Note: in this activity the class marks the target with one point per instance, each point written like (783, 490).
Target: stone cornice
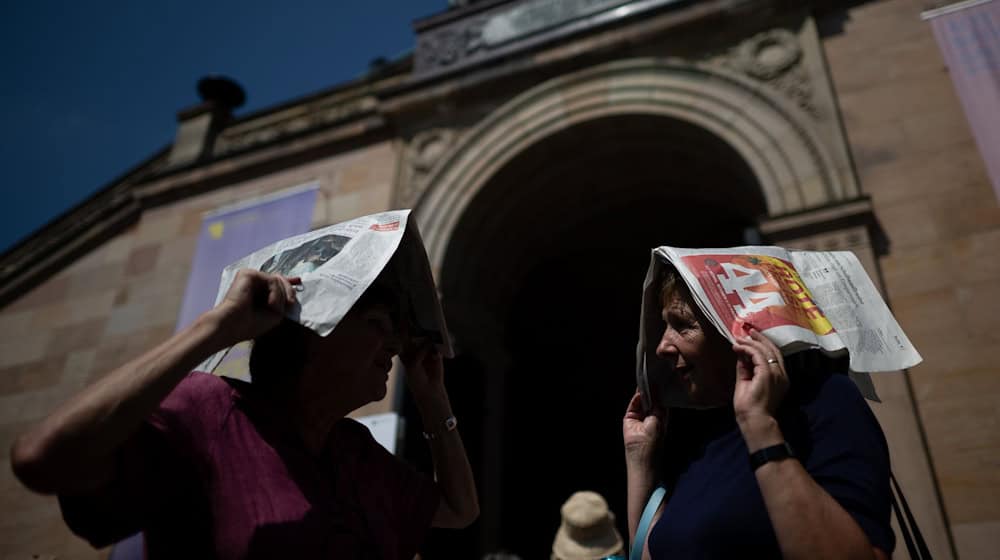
(296, 120)
(278, 154)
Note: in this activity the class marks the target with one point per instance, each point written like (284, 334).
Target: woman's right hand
(642, 432)
(254, 304)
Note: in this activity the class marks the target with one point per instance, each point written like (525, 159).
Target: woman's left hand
(425, 378)
(424, 371)
(761, 381)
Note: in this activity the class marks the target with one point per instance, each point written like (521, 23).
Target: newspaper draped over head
(798, 299)
(338, 263)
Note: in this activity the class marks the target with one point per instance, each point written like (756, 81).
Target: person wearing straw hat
(209, 467)
(781, 457)
(587, 530)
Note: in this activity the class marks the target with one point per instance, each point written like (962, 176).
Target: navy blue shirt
(714, 506)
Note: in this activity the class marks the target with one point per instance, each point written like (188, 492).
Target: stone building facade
(535, 138)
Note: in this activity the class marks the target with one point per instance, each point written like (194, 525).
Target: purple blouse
(217, 472)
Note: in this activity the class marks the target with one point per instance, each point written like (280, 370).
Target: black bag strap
(912, 536)
(907, 539)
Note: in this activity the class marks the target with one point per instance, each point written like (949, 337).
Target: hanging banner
(968, 34)
(231, 233)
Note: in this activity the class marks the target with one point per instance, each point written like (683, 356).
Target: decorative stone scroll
(775, 58)
(422, 153)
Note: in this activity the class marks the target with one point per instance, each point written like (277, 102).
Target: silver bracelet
(450, 423)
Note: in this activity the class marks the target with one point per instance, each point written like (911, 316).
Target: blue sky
(89, 89)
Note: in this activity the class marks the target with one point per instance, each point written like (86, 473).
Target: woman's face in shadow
(353, 362)
(694, 357)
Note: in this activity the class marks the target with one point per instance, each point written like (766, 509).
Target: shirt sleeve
(849, 457)
(398, 500)
(155, 466)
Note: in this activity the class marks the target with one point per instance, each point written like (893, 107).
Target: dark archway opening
(541, 283)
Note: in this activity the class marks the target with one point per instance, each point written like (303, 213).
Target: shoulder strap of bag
(912, 536)
(645, 520)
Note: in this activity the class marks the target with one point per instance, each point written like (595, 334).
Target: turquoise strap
(647, 518)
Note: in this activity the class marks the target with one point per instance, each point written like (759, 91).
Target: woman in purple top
(215, 468)
(820, 488)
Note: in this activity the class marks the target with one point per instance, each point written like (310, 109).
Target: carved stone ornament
(428, 146)
(508, 27)
(422, 154)
(447, 46)
(773, 57)
(767, 55)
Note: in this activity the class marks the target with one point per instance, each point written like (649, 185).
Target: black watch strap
(772, 453)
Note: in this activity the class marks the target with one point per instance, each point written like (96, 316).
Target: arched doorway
(541, 282)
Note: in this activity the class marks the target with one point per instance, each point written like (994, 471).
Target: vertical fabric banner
(968, 34)
(230, 234)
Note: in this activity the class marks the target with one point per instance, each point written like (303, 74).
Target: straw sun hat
(587, 531)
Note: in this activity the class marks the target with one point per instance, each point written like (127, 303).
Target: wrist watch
(772, 453)
(450, 423)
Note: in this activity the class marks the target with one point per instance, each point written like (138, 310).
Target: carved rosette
(775, 58)
(422, 153)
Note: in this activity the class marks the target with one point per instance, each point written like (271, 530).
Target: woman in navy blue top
(830, 499)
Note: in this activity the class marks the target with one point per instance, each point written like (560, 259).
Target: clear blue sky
(89, 89)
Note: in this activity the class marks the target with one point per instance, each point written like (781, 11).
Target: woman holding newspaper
(777, 457)
(212, 467)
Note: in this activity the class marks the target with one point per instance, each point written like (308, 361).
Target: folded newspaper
(338, 263)
(798, 299)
